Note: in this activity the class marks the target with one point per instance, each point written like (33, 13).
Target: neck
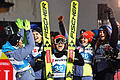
(40, 41)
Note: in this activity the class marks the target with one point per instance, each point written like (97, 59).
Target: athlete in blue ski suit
(36, 58)
(86, 50)
(18, 55)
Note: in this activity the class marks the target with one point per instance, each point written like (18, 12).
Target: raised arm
(21, 53)
(114, 36)
(20, 26)
(62, 27)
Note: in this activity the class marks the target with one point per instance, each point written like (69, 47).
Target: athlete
(19, 54)
(86, 50)
(59, 58)
(36, 60)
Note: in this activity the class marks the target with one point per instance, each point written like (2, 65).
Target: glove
(27, 25)
(60, 18)
(19, 23)
(43, 55)
(78, 60)
(110, 12)
(76, 51)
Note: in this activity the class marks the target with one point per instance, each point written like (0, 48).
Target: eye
(36, 33)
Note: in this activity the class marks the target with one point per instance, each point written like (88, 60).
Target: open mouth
(59, 46)
(36, 38)
(102, 36)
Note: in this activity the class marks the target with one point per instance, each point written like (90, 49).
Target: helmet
(14, 39)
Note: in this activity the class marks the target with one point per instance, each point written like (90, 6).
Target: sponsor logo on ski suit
(59, 66)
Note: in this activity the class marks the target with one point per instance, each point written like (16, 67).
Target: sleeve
(21, 33)
(63, 29)
(22, 53)
(114, 36)
(78, 60)
(77, 42)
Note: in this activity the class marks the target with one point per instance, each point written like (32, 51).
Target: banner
(6, 68)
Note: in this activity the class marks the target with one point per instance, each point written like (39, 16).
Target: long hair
(98, 40)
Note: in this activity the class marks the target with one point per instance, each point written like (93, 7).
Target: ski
(46, 39)
(72, 39)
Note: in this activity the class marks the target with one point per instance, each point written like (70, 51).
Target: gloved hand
(43, 55)
(27, 25)
(110, 12)
(78, 60)
(60, 18)
(19, 23)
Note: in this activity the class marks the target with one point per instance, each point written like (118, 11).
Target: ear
(53, 46)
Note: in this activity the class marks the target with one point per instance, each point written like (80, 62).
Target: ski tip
(45, 2)
(74, 1)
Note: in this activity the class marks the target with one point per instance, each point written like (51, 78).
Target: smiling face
(60, 43)
(102, 34)
(60, 46)
(37, 37)
(84, 41)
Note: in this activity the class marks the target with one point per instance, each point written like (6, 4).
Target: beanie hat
(88, 34)
(109, 28)
(95, 31)
(106, 28)
(14, 39)
(33, 26)
(103, 27)
(37, 29)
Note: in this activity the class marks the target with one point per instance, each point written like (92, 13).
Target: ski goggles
(60, 40)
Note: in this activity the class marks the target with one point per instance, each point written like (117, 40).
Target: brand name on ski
(48, 56)
(73, 20)
(70, 55)
(45, 20)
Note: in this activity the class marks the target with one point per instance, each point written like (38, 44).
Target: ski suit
(64, 32)
(85, 72)
(19, 57)
(59, 63)
(36, 60)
